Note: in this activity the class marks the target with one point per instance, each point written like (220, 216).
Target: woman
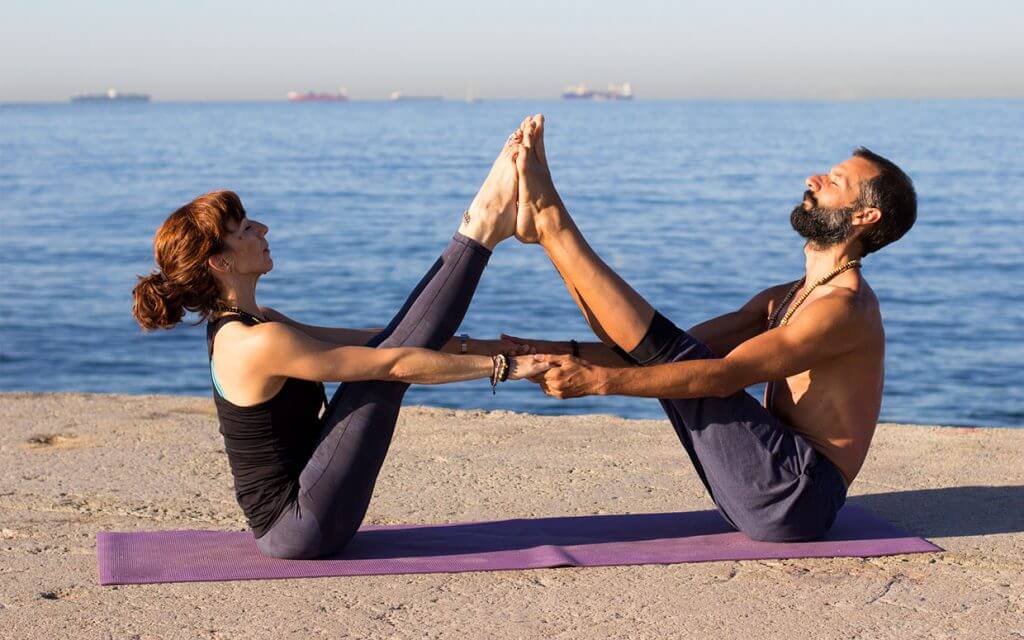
(304, 481)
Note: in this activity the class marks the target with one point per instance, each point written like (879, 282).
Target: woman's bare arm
(277, 349)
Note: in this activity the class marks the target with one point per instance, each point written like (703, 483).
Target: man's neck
(819, 262)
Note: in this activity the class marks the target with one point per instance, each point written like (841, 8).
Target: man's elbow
(724, 380)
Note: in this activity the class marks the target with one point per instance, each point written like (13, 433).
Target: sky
(256, 50)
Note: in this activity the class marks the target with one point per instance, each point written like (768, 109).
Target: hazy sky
(235, 49)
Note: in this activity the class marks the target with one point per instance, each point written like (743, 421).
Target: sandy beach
(74, 464)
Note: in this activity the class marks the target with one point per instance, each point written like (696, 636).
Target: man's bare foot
(491, 216)
(540, 207)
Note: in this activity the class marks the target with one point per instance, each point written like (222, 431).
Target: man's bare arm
(721, 334)
(728, 331)
(345, 337)
(341, 336)
(827, 328)
(596, 352)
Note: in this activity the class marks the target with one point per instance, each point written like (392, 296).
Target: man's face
(825, 215)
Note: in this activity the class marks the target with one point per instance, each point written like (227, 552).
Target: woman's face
(248, 251)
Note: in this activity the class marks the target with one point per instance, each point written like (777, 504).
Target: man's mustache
(809, 195)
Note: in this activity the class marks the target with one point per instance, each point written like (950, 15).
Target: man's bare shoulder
(766, 301)
(842, 310)
(858, 298)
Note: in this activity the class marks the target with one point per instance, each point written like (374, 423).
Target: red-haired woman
(304, 480)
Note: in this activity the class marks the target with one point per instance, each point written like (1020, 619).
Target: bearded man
(778, 471)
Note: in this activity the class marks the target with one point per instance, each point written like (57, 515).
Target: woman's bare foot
(491, 216)
(540, 208)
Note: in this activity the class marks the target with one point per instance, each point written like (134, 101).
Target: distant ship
(110, 96)
(312, 96)
(398, 96)
(615, 92)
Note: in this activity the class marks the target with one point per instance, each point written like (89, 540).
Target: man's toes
(538, 137)
(529, 135)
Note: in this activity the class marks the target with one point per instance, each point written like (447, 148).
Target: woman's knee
(286, 549)
(296, 535)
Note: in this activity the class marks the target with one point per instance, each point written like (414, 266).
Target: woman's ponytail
(156, 305)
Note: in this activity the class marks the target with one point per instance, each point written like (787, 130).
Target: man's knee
(665, 342)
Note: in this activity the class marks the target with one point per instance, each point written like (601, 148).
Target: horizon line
(284, 100)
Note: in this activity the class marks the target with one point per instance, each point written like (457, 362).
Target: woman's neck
(243, 297)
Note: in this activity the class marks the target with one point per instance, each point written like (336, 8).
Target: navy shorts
(766, 479)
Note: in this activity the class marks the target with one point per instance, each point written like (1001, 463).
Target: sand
(74, 464)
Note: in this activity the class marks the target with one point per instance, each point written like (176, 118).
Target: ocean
(688, 200)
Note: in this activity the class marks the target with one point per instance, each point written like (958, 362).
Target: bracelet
(500, 363)
(463, 343)
(507, 369)
(575, 348)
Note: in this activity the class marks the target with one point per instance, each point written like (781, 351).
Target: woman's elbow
(398, 368)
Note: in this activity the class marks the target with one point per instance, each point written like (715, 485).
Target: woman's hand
(527, 366)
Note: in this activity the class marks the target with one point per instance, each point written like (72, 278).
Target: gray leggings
(336, 484)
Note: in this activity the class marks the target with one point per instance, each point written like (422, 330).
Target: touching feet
(491, 216)
(540, 208)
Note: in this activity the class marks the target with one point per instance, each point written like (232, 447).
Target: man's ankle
(553, 222)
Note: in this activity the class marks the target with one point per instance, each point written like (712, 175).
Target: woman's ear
(219, 263)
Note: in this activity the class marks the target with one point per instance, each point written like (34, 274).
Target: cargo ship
(110, 96)
(615, 92)
(398, 96)
(312, 96)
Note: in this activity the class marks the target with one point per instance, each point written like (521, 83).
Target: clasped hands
(566, 376)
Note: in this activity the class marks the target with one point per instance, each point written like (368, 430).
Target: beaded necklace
(769, 388)
(241, 312)
(852, 264)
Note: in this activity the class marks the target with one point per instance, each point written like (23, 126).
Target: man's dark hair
(892, 193)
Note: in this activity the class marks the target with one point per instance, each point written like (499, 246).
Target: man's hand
(478, 347)
(537, 346)
(571, 377)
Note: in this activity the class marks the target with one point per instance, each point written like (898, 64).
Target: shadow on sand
(950, 511)
(930, 513)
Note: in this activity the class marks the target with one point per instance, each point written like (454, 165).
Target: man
(777, 472)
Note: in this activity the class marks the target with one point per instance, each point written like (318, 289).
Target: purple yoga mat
(582, 541)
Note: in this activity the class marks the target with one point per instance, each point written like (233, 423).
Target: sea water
(689, 201)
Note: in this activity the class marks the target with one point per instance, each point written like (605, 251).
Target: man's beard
(822, 226)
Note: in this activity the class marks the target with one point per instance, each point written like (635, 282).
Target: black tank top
(269, 443)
